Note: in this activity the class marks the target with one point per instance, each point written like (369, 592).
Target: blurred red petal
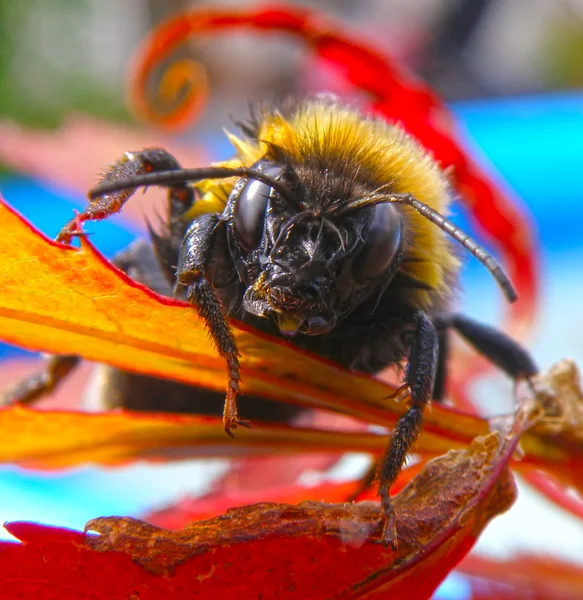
(225, 495)
(563, 496)
(281, 471)
(188, 510)
(524, 577)
(266, 478)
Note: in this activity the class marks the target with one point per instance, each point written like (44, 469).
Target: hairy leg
(496, 346)
(194, 264)
(419, 382)
(439, 388)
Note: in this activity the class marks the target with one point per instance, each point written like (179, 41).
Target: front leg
(196, 255)
(130, 165)
(419, 382)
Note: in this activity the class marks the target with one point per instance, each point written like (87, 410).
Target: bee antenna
(165, 178)
(465, 240)
(452, 230)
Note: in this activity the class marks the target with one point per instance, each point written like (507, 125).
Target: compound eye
(250, 213)
(381, 243)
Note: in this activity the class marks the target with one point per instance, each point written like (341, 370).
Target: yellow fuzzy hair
(383, 153)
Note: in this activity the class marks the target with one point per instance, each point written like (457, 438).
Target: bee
(328, 229)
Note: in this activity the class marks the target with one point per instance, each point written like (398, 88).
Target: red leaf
(312, 550)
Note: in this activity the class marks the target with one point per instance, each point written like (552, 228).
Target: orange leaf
(312, 550)
(63, 300)
(57, 439)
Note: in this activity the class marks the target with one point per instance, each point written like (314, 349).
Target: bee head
(305, 262)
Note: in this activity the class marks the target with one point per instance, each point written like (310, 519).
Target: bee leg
(193, 267)
(419, 379)
(42, 383)
(439, 387)
(130, 165)
(497, 347)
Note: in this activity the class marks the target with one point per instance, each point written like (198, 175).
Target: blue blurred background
(511, 74)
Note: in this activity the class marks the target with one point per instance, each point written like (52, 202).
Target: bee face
(304, 262)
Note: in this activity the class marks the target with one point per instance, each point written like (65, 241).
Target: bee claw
(73, 229)
(233, 423)
(389, 535)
